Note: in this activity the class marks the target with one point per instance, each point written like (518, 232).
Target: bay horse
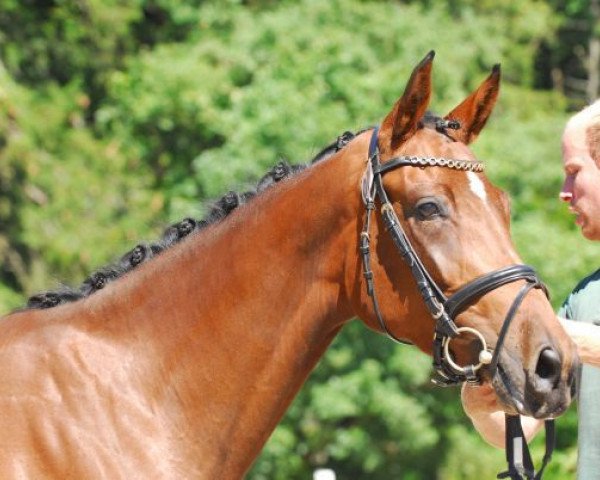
(184, 366)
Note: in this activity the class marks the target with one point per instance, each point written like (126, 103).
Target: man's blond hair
(588, 120)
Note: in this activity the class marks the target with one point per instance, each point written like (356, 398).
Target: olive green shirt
(583, 305)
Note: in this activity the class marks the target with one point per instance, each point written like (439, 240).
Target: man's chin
(590, 232)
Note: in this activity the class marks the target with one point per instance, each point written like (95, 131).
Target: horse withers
(182, 366)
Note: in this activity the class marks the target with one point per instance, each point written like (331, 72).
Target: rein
(445, 309)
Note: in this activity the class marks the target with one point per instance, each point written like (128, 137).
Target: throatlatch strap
(520, 465)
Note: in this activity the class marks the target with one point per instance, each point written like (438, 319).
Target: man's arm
(482, 407)
(587, 338)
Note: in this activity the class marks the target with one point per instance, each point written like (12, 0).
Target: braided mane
(173, 234)
(219, 210)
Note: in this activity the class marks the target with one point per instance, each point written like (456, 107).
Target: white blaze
(477, 186)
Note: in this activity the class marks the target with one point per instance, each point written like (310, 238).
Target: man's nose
(565, 196)
(566, 192)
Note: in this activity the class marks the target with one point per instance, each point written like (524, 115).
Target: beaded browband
(414, 161)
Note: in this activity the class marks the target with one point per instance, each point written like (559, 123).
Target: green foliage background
(119, 116)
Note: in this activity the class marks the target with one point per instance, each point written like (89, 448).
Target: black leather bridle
(445, 309)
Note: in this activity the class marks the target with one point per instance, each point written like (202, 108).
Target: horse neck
(237, 316)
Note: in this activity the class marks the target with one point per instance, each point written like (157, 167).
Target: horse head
(432, 213)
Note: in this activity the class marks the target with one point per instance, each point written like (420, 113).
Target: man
(580, 314)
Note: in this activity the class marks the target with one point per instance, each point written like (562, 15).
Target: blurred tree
(66, 198)
(118, 116)
(519, 28)
(12, 192)
(52, 41)
(569, 61)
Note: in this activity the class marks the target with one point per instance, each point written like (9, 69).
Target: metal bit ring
(485, 356)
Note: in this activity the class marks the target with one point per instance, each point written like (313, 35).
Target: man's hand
(483, 408)
(587, 338)
(479, 400)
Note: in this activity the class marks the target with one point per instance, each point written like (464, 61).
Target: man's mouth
(579, 219)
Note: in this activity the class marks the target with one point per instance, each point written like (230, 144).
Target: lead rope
(520, 465)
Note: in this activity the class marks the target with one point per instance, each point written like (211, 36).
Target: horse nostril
(548, 366)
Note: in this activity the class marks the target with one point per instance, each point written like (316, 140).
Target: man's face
(581, 188)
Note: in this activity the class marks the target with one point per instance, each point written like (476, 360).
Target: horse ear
(474, 111)
(403, 120)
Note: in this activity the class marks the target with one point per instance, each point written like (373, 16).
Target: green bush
(118, 117)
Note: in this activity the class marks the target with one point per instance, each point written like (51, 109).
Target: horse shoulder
(70, 408)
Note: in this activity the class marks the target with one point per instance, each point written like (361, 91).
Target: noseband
(443, 309)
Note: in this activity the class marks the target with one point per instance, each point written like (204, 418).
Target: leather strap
(520, 464)
(488, 282)
(507, 321)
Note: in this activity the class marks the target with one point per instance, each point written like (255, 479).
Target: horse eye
(428, 209)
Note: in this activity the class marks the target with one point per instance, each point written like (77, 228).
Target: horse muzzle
(542, 389)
